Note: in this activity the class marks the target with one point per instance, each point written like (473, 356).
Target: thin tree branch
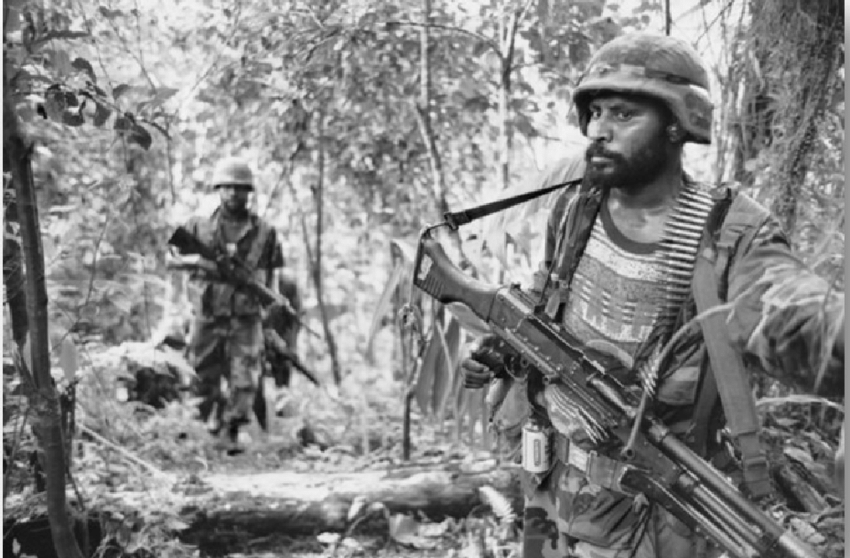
(489, 42)
(129, 456)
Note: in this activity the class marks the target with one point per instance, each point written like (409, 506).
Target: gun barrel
(767, 535)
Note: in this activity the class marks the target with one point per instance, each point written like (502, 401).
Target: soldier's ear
(675, 133)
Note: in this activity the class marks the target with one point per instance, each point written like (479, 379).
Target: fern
(499, 503)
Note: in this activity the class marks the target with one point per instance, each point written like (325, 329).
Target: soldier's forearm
(789, 318)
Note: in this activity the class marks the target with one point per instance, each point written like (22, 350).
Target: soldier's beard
(630, 173)
(236, 207)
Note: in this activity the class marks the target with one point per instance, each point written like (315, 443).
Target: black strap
(706, 402)
(456, 219)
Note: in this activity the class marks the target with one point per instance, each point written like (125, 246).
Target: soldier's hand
(486, 362)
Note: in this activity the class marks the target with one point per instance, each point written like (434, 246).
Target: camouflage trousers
(227, 356)
(569, 517)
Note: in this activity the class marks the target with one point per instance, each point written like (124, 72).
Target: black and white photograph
(423, 279)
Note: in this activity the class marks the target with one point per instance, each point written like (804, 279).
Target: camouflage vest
(222, 299)
(681, 403)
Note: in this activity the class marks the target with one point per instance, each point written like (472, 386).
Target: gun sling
(726, 374)
(599, 469)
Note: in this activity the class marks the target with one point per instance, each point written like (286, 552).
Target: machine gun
(656, 463)
(234, 271)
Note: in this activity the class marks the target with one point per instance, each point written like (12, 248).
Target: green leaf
(73, 118)
(383, 306)
(119, 90)
(109, 14)
(101, 115)
(140, 136)
(427, 370)
(163, 94)
(84, 65)
(71, 99)
(122, 124)
(135, 133)
(444, 375)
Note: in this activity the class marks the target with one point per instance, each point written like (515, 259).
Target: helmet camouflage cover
(658, 66)
(233, 171)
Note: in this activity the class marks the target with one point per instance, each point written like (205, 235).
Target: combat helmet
(233, 171)
(662, 67)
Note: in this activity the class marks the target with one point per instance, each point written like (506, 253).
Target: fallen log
(302, 504)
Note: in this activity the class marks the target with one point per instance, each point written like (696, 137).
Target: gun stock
(670, 473)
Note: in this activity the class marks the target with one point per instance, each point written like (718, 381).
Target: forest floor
(140, 492)
(138, 469)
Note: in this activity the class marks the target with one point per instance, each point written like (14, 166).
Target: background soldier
(226, 347)
(628, 252)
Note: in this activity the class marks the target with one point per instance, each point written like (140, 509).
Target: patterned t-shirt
(621, 288)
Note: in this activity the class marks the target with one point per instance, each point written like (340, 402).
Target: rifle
(274, 340)
(233, 270)
(669, 472)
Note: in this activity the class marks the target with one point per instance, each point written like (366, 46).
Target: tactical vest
(724, 393)
(220, 299)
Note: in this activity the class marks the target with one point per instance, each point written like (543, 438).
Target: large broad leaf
(444, 375)
(402, 255)
(383, 306)
(432, 358)
(400, 248)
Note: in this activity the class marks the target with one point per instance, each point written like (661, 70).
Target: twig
(206, 73)
(489, 42)
(13, 452)
(138, 461)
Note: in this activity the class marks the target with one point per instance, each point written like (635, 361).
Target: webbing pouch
(226, 293)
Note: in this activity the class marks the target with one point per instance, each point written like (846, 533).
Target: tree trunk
(42, 396)
(296, 504)
(426, 129)
(317, 264)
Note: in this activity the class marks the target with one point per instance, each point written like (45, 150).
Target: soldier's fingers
(477, 379)
(488, 357)
(473, 365)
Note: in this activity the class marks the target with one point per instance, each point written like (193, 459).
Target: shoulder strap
(726, 374)
(263, 232)
(253, 258)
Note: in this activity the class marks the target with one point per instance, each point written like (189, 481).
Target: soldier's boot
(228, 439)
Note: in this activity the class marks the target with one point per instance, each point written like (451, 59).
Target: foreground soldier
(227, 338)
(631, 255)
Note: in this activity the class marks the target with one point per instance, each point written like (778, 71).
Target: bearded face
(630, 146)
(235, 197)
